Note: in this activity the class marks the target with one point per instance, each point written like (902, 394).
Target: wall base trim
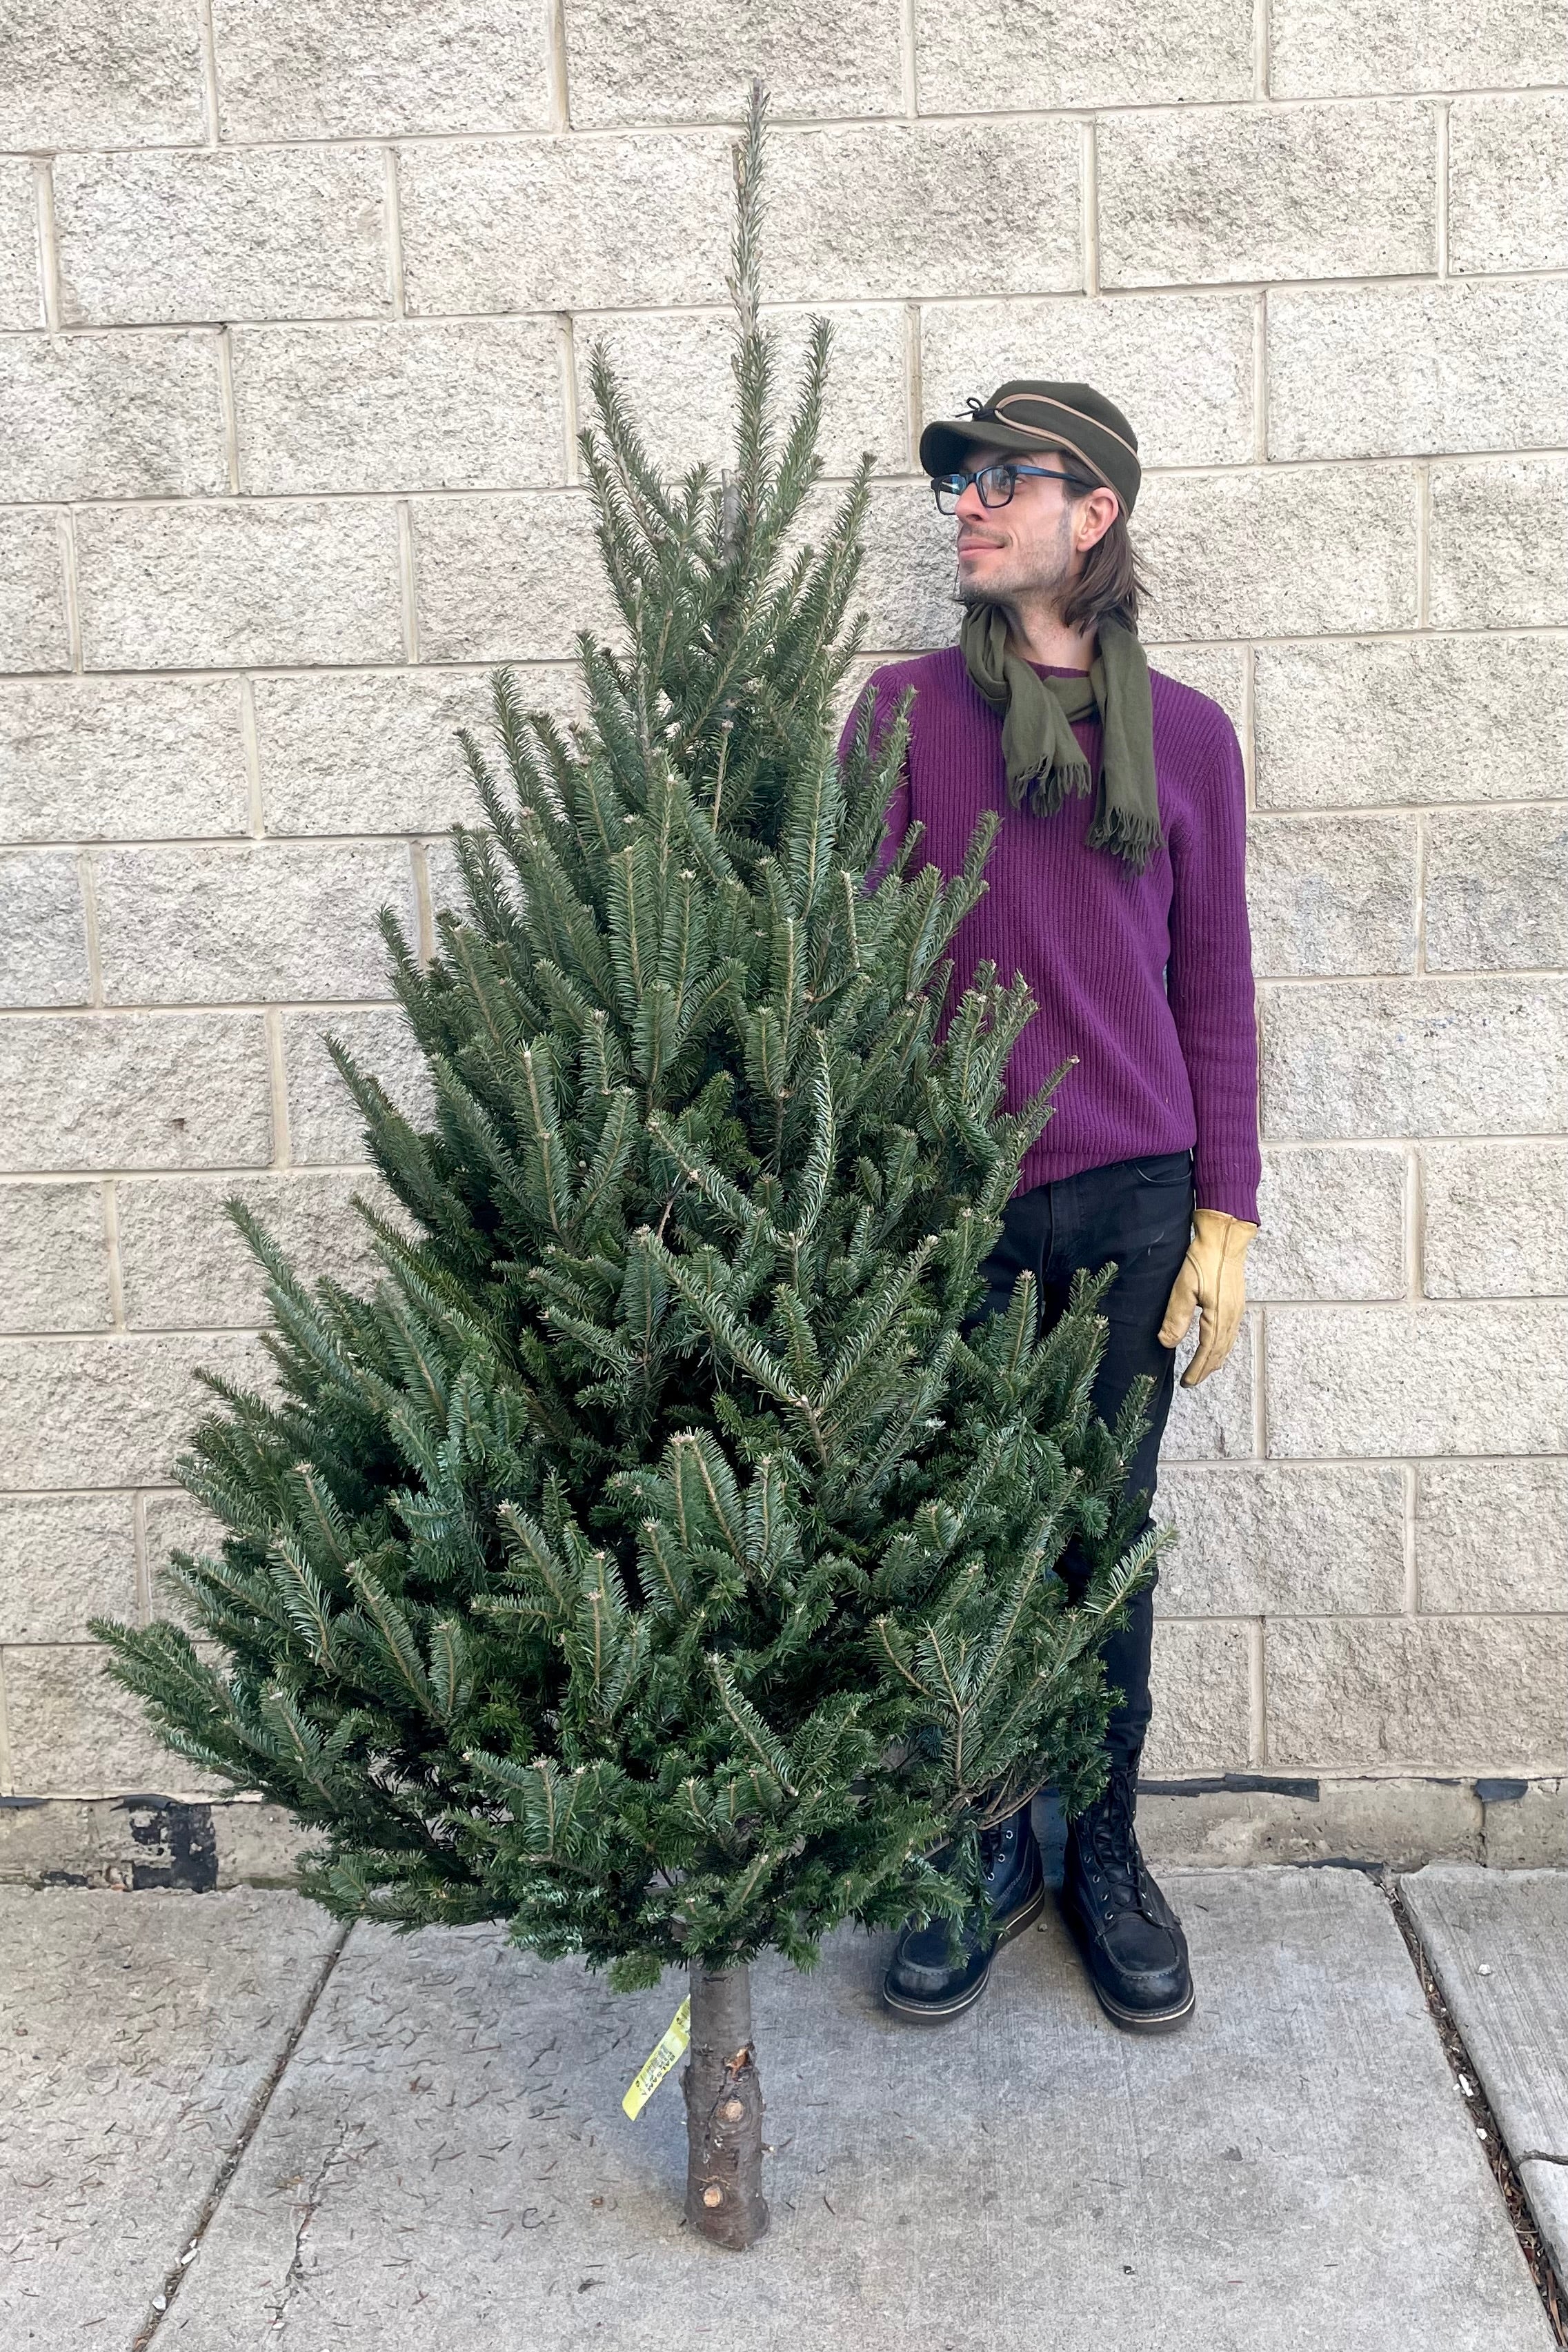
(1219, 1820)
(1238, 1817)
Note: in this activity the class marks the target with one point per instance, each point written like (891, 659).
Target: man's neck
(1037, 634)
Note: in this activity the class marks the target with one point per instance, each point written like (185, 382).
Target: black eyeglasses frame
(940, 482)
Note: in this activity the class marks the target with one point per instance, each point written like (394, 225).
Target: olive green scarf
(1045, 763)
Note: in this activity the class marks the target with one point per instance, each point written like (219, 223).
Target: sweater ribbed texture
(1146, 977)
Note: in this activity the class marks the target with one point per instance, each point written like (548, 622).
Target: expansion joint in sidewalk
(164, 2301)
(1501, 2162)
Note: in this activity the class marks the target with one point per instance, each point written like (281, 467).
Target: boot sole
(1145, 2021)
(927, 2013)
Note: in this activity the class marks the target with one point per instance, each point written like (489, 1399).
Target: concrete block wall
(295, 302)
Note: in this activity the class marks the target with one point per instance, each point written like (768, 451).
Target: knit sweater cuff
(1233, 1194)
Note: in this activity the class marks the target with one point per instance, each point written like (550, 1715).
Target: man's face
(1025, 548)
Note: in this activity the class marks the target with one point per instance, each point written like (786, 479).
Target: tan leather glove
(1213, 1278)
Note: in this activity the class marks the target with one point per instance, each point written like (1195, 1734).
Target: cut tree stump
(723, 2112)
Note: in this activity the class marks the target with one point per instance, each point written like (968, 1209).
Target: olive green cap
(1026, 416)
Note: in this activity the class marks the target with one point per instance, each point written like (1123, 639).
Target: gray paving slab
(1497, 1944)
(136, 2033)
(445, 2163)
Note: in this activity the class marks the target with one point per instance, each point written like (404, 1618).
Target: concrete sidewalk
(1498, 1945)
(139, 2037)
(444, 2161)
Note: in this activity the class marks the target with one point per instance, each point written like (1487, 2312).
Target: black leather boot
(924, 1983)
(1130, 1938)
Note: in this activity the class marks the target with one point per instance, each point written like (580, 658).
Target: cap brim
(947, 443)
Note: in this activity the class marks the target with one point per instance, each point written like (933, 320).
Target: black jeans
(1138, 1212)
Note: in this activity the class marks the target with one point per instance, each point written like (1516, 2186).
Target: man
(1117, 888)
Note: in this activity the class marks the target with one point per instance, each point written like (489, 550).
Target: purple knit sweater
(1146, 977)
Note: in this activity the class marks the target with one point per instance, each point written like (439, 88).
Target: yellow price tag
(672, 2045)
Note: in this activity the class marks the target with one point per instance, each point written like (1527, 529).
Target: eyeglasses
(996, 484)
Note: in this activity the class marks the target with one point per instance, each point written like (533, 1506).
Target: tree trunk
(723, 2112)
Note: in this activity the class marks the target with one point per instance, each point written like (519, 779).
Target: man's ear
(1096, 513)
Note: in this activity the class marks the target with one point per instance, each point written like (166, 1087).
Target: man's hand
(1213, 1278)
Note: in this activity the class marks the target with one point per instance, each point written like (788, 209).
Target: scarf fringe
(1133, 837)
(1044, 793)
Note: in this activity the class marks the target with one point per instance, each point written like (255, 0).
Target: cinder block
(73, 1732)
(86, 416)
(1427, 1057)
(675, 368)
(43, 929)
(1492, 1536)
(1319, 48)
(1424, 1380)
(1213, 544)
(445, 879)
(64, 1559)
(21, 287)
(1199, 1679)
(1508, 180)
(1496, 1220)
(1195, 49)
(881, 209)
(1498, 545)
(54, 1259)
(221, 234)
(323, 1123)
(1262, 1540)
(109, 1413)
(362, 68)
(907, 576)
(350, 754)
(1417, 720)
(83, 759)
(186, 1267)
(34, 630)
(814, 59)
(1213, 1421)
(459, 404)
(99, 73)
(229, 584)
(1331, 1225)
(275, 919)
(562, 223)
(1219, 671)
(507, 579)
(1179, 366)
(1497, 889)
(1464, 1693)
(1394, 371)
(142, 1090)
(173, 1520)
(1237, 193)
(1331, 895)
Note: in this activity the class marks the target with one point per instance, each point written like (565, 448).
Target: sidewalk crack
(306, 2210)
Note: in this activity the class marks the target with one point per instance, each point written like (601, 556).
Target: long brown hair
(1111, 584)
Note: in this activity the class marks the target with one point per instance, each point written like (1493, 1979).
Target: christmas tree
(661, 1560)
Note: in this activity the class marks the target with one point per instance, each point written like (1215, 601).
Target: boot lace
(1108, 1841)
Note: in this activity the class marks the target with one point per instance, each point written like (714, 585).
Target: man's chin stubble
(970, 592)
